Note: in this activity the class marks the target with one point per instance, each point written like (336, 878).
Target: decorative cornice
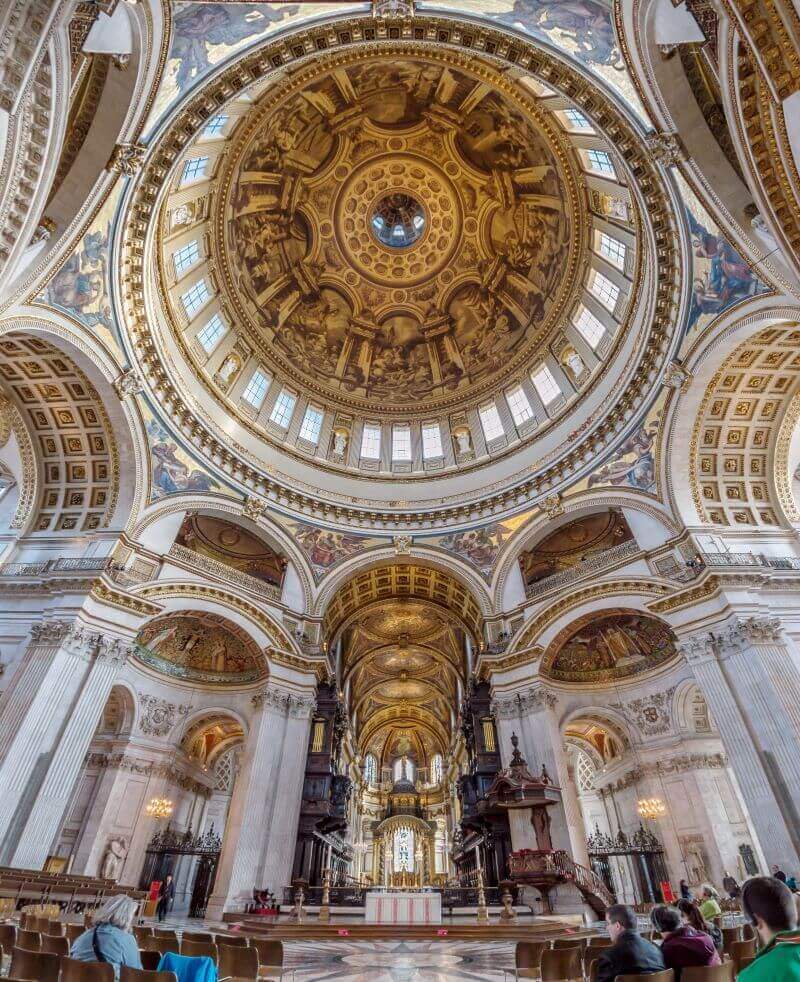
(124, 601)
(150, 768)
(287, 703)
(672, 765)
(533, 700)
(736, 635)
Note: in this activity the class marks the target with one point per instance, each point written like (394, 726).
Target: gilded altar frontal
(400, 489)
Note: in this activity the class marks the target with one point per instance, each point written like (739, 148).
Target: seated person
(629, 953)
(769, 906)
(110, 939)
(692, 916)
(709, 902)
(683, 946)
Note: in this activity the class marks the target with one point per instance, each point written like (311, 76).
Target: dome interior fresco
(234, 546)
(609, 647)
(202, 648)
(574, 543)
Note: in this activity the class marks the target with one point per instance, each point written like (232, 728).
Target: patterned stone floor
(397, 961)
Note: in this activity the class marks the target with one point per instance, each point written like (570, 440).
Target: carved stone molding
(673, 765)
(532, 700)
(666, 148)
(128, 384)
(652, 714)
(279, 700)
(139, 765)
(50, 633)
(254, 508)
(159, 715)
(677, 377)
(127, 158)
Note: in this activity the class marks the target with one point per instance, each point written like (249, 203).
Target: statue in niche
(228, 369)
(113, 858)
(573, 363)
(340, 438)
(462, 438)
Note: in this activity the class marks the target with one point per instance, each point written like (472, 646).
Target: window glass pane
(194, 169)
(256, 389)
(519, 405)
(312, 424)
(612, 249)
(215, 125)
(600, 161)
(401, 443)
(283, 409)
(545, 384)
(605, 291)
(589, 326)
(577, 120)
(185, 257)
(211, 335)
(490, 421)
(431, 441)
(195, 297)
(371, 442)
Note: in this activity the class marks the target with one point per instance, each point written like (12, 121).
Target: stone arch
(163, 518)
(450, 567)
(210, 732)
(604, 717)
(60, 379)
(632, 643)
(690, 710)
(751, 323)
(655, 527)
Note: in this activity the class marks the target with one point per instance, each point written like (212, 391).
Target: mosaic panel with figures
(614, 646)
(201, 647)
(71, 432)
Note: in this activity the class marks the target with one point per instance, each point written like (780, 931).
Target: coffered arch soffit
(615, 126)
(729, 423)
(209, 733)
(405, 580)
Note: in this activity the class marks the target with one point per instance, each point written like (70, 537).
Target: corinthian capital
(759, 628)
(507, 708)
(302, 707)
(114, 650)
(50, 632)
(696, 647)
(537, 698)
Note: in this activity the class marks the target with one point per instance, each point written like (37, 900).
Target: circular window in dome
(398, 220)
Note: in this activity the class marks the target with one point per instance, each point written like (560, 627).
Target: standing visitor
(686, 893)
(778, 873)
(166, 894)
(730, 886)
(769, 906)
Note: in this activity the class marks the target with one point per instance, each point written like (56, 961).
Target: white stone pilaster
(763, 751)
(279, 857)
(255, 794)
(106, 655)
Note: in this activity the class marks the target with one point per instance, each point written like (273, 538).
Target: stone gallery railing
(250, 583)
(625, 550)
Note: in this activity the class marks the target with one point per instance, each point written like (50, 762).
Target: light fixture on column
(651, 808)
(159, 808)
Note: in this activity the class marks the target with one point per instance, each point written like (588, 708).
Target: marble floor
(398, 961)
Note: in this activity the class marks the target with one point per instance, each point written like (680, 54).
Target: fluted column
(256, 795)
(737, 682)
(33, 709)
(105, 655)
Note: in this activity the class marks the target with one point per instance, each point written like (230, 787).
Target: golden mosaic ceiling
(309, 197)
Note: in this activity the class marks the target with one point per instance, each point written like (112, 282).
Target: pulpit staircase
(545, 869)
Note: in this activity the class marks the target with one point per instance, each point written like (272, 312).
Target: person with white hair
(110, 938)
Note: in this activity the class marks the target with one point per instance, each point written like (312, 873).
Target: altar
(403, 907)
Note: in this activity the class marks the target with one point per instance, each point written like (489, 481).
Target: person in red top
(683, 946)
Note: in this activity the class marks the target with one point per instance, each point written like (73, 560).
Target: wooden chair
(150, 959)
(197, 936)
(74, 971)
(729, 935)
(744, 962)
(593, 953)
(142, 931)
(591, 971)
(142, 975)
(8, 936)
(568, 943)
(709, 973)
(40, 966)
(56, 929)
(58, 946)
(270, 957)
(748, 932)
(165, 932)
(528, 958)
(31, 940)
(740, 950)
(162, 945)
(561, 963)
(238, 963)
(74, 931)
(199, 949)
(233, 940)
(666, 976)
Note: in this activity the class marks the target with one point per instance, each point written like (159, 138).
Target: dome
(402, 261)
